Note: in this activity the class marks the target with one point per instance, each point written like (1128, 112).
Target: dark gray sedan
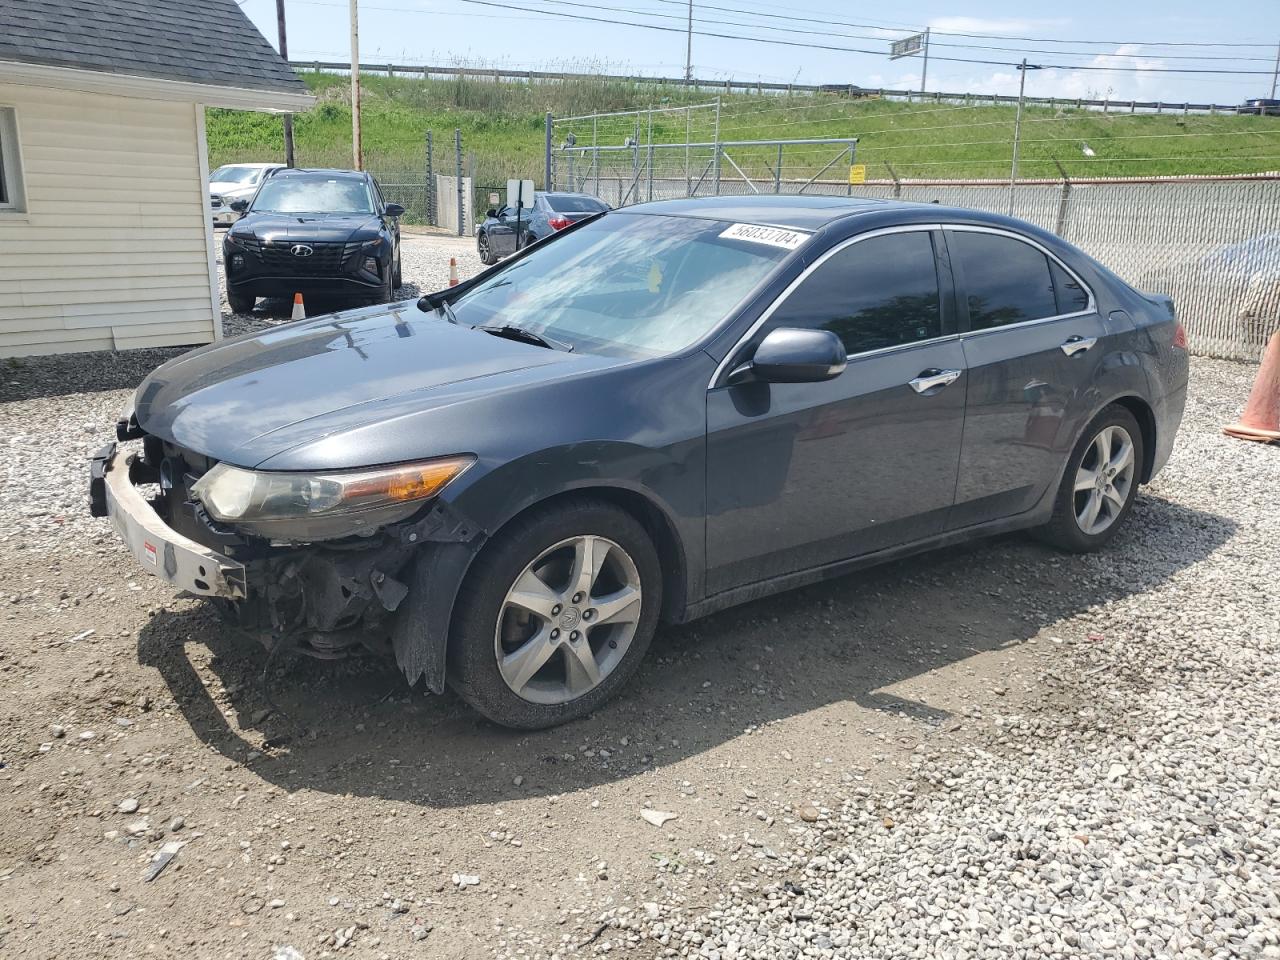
(655, 414)
(506, 229)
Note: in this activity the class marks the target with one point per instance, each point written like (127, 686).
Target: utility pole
(284, 55)
(357, 154)
(924, 70)
(1275, 73)
(1017, 127)
(688, 50)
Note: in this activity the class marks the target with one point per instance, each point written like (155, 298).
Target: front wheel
(485, 250)
(240, 302)
(556, 615)
(1099, 485)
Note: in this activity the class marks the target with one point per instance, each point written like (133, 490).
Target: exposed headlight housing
(322, 506)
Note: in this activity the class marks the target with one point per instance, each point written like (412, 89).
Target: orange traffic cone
(1261, 418)
(299, 312)
(453, 271)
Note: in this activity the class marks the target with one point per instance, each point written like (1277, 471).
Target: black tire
(485, 251)
(1064, 530)
(397, 277)
(240, 302)
(387, 293)
(473, 665)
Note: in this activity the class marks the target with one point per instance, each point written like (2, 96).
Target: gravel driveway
(994, 750)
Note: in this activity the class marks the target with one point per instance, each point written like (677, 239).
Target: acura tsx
(654, 414)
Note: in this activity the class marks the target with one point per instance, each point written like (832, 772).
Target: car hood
(230, 189)
(252, 398)
(335, 227)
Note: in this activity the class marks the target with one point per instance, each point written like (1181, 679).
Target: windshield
(289, 195)
(236, 175)
(562, 204)
(631, 284)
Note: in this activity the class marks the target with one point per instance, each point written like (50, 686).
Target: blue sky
(454, 31)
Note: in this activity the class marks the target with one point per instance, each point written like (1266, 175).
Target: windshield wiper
(512, 332)
(446, 310)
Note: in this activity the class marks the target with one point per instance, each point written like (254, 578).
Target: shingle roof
(197, 41)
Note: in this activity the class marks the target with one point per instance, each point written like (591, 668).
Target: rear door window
(1005, 280)
(876, 293)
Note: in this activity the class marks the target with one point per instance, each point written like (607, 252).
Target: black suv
(323, 231)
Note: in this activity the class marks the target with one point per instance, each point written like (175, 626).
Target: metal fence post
(777, 172)
(715, 159)
(1064, 202)
(688, 128)
(595, 152)
(431, 185)
(457, 158)
(649, 159)
(548, 183)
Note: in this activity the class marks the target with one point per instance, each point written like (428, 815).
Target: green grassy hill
(502, 132)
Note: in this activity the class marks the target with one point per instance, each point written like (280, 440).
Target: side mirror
(491, 213)
(792, 355)
(240, 206)
(394, 210)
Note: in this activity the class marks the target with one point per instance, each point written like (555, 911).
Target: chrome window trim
(723, 365)
(1091, 307)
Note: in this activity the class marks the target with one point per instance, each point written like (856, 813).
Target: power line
(821, 46)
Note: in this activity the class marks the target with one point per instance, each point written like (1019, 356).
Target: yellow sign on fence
(858, 173)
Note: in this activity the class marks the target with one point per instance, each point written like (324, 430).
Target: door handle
(933, 379)
(1074, 345)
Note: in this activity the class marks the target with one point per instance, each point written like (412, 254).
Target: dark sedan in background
(313, 231)
(650, 416)
(503, 232)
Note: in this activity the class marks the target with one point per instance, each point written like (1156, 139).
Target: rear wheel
(240, 302)
(556, 615)
(1099, 485)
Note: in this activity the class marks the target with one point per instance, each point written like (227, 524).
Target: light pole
(357, 155)
(1017, 126)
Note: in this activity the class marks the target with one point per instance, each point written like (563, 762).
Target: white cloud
(1006, 26)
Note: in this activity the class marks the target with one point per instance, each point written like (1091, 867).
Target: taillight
(1179, 336)
(559, 223)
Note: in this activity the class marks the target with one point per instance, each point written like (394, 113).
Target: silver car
(235, 181)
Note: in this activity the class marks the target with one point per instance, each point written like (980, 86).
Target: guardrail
(505, 75)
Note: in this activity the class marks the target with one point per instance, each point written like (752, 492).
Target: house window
(11, 197)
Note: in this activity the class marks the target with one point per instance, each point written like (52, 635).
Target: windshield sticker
(773, 236)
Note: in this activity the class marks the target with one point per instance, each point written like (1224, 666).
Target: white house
(106, 240)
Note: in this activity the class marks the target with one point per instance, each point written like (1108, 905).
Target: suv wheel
(556, 615)
(1099, 484)
(240, 302)
(397, 278)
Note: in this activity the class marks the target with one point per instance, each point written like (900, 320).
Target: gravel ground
(1143, 820)
(994, 750)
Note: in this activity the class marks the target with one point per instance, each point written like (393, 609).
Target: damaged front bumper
(390, 593)
(160, 550)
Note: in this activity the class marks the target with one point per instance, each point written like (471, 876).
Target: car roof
(310, 172)
(813, 213)
(254, 164)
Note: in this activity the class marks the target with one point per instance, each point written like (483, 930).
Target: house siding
(112, 249)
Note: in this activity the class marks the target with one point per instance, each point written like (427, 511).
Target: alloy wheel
(484, 248)
(568, 620)
(1103, 480)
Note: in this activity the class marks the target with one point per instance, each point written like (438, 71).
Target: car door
(1033, 340)
(502, 232)
(390, 224)
(802, 475)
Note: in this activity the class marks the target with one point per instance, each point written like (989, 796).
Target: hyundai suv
(322, 231)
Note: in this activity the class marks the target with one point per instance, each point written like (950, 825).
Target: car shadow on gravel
(353, 727)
